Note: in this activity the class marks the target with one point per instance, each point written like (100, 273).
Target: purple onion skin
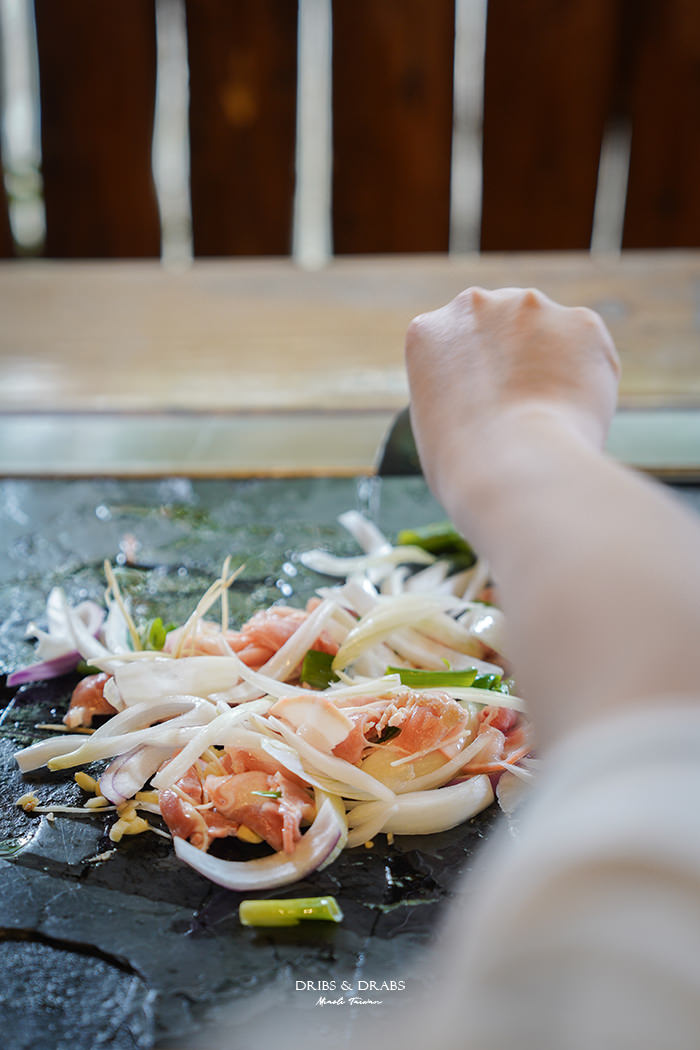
(47, 669)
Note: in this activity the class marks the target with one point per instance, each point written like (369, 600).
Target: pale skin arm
(598, 569)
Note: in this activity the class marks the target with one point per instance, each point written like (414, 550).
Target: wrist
(525, 449)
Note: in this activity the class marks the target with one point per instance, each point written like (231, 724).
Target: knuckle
(471, 297)
(532, 297)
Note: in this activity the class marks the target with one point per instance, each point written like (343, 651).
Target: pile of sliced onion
(128, 773)
(421, 812)
(317, 847)
(171, 709)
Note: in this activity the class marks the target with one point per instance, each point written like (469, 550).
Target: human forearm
(512, 396)
(597, 569)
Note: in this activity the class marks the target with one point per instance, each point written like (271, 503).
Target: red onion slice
(59, 644)
(318, 846)
(46, 669)
(128, 773)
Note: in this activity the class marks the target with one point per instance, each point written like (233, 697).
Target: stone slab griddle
(124, 952)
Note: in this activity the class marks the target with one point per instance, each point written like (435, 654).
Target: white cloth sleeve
(582, 932)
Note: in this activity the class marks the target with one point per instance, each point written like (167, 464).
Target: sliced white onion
(478, 581)
(364, 532)
(214, 733)
(176, 732)
(138, 716)
(115, 632)
(331, 565)
(165, 676)
(288, 757)
(332, 766)
(128, 773)
(443, 774)
(388, 615)
(489, 697)
(394, 582)
(358, 594)
(79, 633)
(487, 624)
(272, 675)
(58, 639)
(111, 694)
(373, 824)
(59, 650)
(458, 583)
(427, 812)
(383, 685)
(450, 632)
(318, 846)
(423, 650)
(512, 789)
(37, 755)
(427, 580)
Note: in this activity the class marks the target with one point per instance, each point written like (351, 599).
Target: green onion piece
(422, 679)
(154, 633)
(487, 681)
(439, 538)
(439, 679)
(388, 733)
(268, 794)
(288, 912)
(316, 669)
(84, 668)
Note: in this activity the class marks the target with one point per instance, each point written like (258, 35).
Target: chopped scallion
(85, 668)
(316, 669)
(439, 538)
(424, 679)
(487, 681)
(154, 633)
(288, 912)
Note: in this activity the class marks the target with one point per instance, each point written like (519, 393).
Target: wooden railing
(557, 74)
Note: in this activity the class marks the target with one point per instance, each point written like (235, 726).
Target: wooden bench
(557, 73)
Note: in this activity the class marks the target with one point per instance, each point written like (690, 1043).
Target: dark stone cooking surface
(124, 951)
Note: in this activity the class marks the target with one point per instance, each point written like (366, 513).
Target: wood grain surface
(392, 125)
(7, 248)
(97, 83)
(663, 202)
(243, 69)
(548, 75)
(249, 336)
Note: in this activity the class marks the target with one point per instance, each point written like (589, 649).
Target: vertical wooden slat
(548, 76)
(243, 69)
(7, 248)
(392, 124)
(97, 68)
(6, 239)
(663, 193)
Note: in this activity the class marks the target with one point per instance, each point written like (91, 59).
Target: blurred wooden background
(558, 74)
